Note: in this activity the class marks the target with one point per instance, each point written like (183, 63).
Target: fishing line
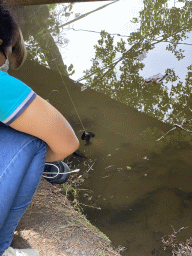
(68, 92)
(97, 32)
(123, 135)
(44, 35)
(116, 34)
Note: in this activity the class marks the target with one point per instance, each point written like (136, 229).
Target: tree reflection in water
(115, 68)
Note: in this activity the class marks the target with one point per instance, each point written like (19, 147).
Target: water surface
(138, 176)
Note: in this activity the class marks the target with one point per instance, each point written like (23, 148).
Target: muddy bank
(52, 226)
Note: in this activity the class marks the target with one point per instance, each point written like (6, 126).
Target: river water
(137, 184)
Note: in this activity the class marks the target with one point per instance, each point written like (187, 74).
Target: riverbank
(53, 227)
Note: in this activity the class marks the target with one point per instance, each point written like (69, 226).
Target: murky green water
(137, 182)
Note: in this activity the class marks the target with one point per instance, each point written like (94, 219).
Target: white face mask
(5, 66)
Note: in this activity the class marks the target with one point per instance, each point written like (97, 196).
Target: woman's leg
(21, 167)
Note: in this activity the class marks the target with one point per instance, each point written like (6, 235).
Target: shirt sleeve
(15, 97)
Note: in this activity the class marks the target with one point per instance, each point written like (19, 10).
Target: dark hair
(9, 28)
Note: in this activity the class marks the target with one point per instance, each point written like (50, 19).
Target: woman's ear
(1, 41)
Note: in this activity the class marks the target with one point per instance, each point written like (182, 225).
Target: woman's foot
(20, 252)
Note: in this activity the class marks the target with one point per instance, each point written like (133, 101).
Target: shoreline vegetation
(52, 226)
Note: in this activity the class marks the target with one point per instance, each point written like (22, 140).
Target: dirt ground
(53, 227)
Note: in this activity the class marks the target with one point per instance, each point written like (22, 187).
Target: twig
(175, 126)
(98, 208)
(172, 237)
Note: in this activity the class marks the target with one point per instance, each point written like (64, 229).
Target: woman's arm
(42, 120)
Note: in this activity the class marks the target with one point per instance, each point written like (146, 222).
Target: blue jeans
(22, 161)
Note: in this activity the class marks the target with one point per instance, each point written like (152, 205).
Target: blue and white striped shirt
(15, 97)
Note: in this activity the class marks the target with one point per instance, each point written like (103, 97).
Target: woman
(31, 132)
